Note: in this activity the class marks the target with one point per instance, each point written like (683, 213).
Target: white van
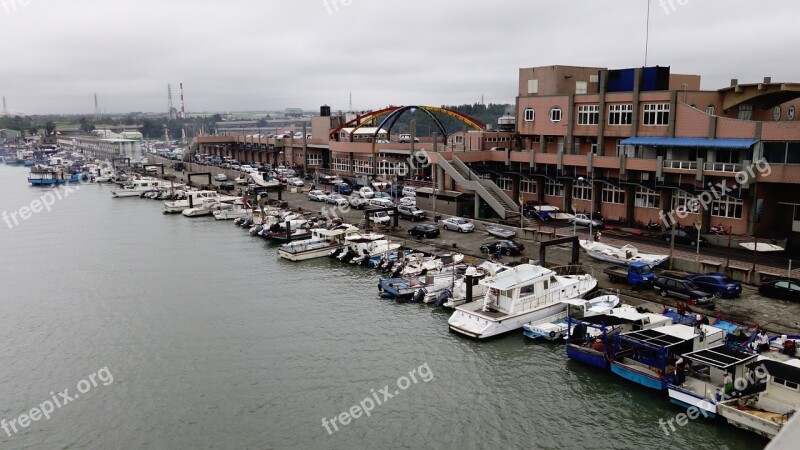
(381, 203)
(409, 191)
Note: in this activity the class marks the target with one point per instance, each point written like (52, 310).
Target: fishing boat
(647, 357)
(356, 245)
(555, 327)
(321, 243)
(766, 412)
(375, 250)
(501, 232)
(517, 296)
(399, 287)
(42, 175)
(704, 384)
(589, 338)
(621, 255)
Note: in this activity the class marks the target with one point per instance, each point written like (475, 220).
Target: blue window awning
(742, 144)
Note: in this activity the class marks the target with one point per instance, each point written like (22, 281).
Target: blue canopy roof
(690, 142)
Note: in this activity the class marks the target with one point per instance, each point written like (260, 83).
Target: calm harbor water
(213, 342)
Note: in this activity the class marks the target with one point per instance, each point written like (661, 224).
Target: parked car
(381, 217)
(151, 169)
(425, 230)
(682, 237)
(406, 138)
(410, 212)
(722, 286)
(584, 220)
(396, 190)
(317, 195)
(407, 201)
(782, 288)
(409, 191)
(235, 166)
(685, 289)
(241, 179)
(506, 247)
(366, 192)
(221, 177)
(344, 189)
(338, 200)
(458, 224)
(226, 186)
(379, 194)
(246, 168)
(358, 202)
(297, 182)
(381, 203)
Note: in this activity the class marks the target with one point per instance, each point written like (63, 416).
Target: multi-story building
(103, 148)
(635, 145)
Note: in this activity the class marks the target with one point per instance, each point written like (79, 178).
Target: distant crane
(5, 110)
(96, 107)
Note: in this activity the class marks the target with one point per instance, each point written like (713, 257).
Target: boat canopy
(519, 274)
(720, 357)
(780, 369)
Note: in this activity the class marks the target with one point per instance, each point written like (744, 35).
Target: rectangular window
(527, 186)
(728, 207)
(620, 114)
(745, 112)
(314, 159)
(613, 194)
(645, 198)
(555, 114)
(656, 114)
(685, 200)
(533, 86)
(504, 183)
(553, 188)
(459, 139)
(339, 163)
(581, 87)
(529, 115)
(386, 168)
(588, 114)
(362, 166)
(581, 191)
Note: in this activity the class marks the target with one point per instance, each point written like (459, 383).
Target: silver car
(584, 220)
(458, 224)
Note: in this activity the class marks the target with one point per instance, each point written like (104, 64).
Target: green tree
(86, 126)
(49, 127)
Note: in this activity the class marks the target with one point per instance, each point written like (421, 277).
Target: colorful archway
(394, 113)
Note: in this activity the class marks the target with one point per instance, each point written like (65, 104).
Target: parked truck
(637, 274)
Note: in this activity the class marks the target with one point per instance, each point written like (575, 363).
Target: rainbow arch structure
(394, 113)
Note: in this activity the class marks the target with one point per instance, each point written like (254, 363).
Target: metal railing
(723, 167)
(682, 165)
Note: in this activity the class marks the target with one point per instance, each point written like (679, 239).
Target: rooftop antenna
(351, 101)
(647, 34)
(183, 111)
(96, 107)
(5, 109)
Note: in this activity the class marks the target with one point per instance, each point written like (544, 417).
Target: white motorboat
(621, 255)
(356, 245)
(206, 207)
(555, 327)
(517, 296)
(193, 198)
(460, 293)
(238, 209)
(321, 243)
(136, 188)
(375, 249)
(419, 264)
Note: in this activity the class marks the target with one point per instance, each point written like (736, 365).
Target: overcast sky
(241, 55)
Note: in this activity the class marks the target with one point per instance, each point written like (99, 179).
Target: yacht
(321, 243)
(193, 198)
(516, 296)
(136, 188)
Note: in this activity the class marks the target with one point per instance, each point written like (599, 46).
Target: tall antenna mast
(170, 108)
(183, 111)
(647, 34)
(96, 107)
(5, 110)
(351, 101)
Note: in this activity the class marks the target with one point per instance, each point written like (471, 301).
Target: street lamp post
(591, 202)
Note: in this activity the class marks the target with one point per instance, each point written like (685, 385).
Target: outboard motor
(442, 298)
(397, 270)
(419, 295)
(336, 252)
